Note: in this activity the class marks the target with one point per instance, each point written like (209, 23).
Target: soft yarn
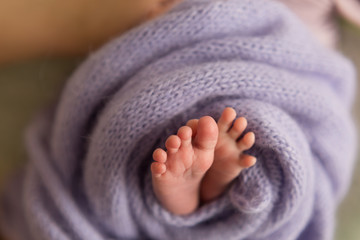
(88, 176)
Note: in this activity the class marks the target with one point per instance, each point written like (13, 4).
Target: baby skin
(201, 161)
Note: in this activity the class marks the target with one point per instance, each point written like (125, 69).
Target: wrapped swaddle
(88, 175)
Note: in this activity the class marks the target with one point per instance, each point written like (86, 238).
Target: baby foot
(229, 158)
(177, 173)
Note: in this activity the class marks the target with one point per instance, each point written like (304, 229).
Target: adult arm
(33, 28)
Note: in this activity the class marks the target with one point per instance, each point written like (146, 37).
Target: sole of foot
(178, 171)
(229, 156)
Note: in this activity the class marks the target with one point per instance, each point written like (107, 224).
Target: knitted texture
(89, 171)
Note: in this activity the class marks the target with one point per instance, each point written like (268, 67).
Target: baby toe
(185, 134)
(247, 160)
(193, 125)
(158, 168)
(207, 134)
(238, 127)
(246, 142)
(159, 155)
(226, 119)
(172, 144)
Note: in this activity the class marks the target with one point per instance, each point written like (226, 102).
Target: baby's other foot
(229, 159)
(177, 173)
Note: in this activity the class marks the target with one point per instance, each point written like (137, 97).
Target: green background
(27, 87)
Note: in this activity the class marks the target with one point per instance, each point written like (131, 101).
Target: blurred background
(29, 86)
(349, 211)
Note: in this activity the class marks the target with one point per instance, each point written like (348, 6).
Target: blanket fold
(89, 178)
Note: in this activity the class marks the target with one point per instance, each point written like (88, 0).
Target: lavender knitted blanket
(88, 176)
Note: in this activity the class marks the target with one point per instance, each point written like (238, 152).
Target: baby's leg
(229, 158)
(177, 173)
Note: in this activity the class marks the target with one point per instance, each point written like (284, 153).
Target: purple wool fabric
(88, 175)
